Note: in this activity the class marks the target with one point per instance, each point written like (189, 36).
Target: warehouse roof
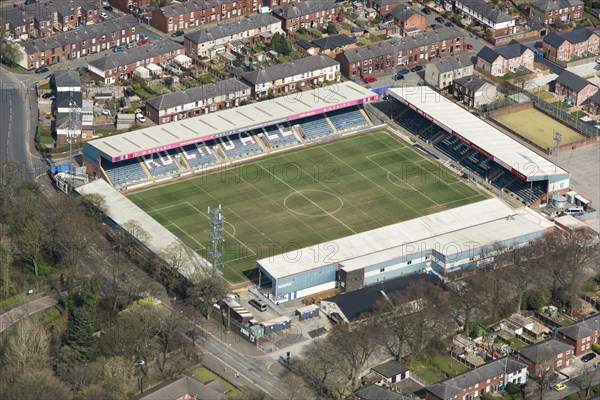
(229, 121)
(481, 223)
(487, 139)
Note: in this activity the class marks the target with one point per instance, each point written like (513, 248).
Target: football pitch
(303, 197)
(538, 128)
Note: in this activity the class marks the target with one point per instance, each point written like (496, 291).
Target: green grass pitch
(307, 196)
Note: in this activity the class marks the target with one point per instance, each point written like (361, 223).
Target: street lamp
(227, 345)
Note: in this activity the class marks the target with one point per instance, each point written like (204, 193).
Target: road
(15, 315)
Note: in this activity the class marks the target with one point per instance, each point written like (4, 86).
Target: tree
(331, 28)
(466, 297)
(132, 233)
(9, 51)
(280, 44)
(31, 241)
(94, 205)
(544, 376)
(35, 383)
(28, 345)
(521, 269)
(293, 388)
(79, 344)
(323, 370)
(209, 291)
(176, 257)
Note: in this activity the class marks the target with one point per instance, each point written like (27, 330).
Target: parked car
(143, 36)
(129, 92)
(560, 386)
(177, 34)
(588, 357)
(259, 304)
(449, 24)
(598, 60)
(404, 71)
(142, 42)
(117, 49)
(398, 77)
(140, 117)
(130, 45)
(416, 68)
(41, 70)
(47, 95)
(440, 20)
(370, 79)
(108, 8)
(469, 46)
(104, 15)
(434, 26)
(426, 11)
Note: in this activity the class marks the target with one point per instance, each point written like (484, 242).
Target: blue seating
(198, 155)
(528, 191)
(315, 127)
(240, 145)
(161, 163)
(280, 136)
(124, 172)
(347, 119)
(412, 122)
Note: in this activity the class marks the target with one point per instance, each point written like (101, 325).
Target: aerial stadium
(319, 195)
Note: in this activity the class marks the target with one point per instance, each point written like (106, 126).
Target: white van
(574, 210)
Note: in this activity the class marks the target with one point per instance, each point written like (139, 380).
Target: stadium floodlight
(217, 222)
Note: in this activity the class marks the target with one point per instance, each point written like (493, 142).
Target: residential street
(11, 317)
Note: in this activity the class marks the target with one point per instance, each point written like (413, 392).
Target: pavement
(14, 315)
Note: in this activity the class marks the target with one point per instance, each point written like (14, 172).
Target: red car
(370, 79)
(142, 42)
(469, 46)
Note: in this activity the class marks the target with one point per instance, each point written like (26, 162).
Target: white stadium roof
(450, 232)
(477, 133)
(208, 126)
(122, 210)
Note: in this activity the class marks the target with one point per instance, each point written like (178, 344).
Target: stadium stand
(411, 121)
(315, 127)
(198, 155)
(280, 136)
(347, 119)
(124, 171)
(240, 145)
(161, 163)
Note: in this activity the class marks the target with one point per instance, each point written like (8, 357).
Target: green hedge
(596, 347)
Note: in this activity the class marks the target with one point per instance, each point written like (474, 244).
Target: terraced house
(51, 17)
(307, 14)
(78, 43)
(553, 11)
(193, 13)
(201, 42)
(288, 77)
(192, 102)
(384, 7)
(579, 43)
(385, 57)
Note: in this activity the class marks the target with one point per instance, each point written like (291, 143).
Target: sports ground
(299, 198)
(537, 127)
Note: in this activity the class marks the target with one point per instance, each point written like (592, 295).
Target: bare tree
(209, 290)
(133, 233)
(466, 296)
(323, 370)
(293, 388)
(29, 345)
(9, 51)
(31, 241)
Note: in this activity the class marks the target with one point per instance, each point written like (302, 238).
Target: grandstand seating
(280, 136)
(198, 155)
(124, 172)
(528, 191)
(347, 119)
(315, 127)
(412, 122)
(240, 145)
(161, 163)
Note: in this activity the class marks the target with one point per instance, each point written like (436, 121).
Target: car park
(426, 11)
(440, 20)
(41, 70)
(588, 357)
(370, 79)
(177, 34)
(259, 304)
(416, 68)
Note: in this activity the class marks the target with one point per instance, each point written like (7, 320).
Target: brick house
(384, 7)
(592, 104)
(574, 87)
(273, 4)
(551, 353)
(200, 42)
(78, 43)
(131, 6)
(193, 13)
(408, 21)
(114, 68)
(473, 91)
(307, 14)
(195, 101)
(487, 378)
(334, 44)
(376, 392)
(502, 60)
(579, 43)
(550, 11)
(486, 15)
(289, 77)
(582, 334)
(385, 57)
(51, 17)
(441, 74)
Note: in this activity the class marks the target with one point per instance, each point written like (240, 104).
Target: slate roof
(595, 98)
(404, 43)
(78, 35)
(63, 99)
(177, 389)
(577, 35)
(129, 56)
(290, 11)
(63, 121)
(572, 81)
(512, 50)
(236, 27)
(451, 387)
(376, 392)
(333, 42)
(386, 2)
(551, 5)
(402, 14)
(486, 10)
(390, 369)
(545, 350)
(453, 63)
(42, 10)
(296, 67)
(471, 82)
(360, 302)
(588, 326)
(67, 78)
(190, 6)
(305, 44)
(192, 95)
